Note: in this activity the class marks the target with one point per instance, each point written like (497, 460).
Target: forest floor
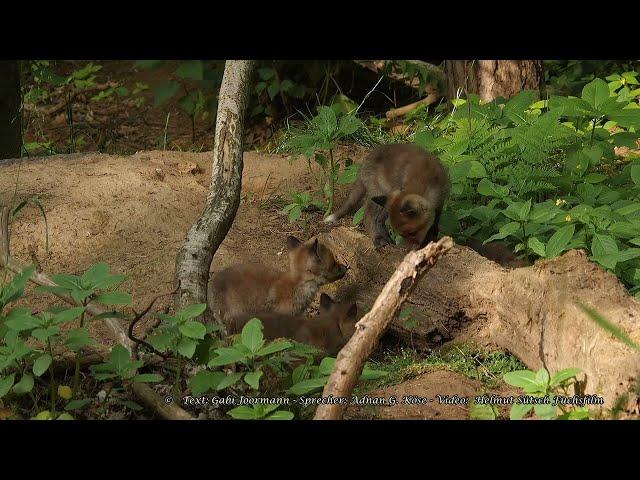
(132, 212)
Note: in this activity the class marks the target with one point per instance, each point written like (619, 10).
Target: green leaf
(603, 245)
(205, 381)
(25, 385)
(542, 376)
(563, 375)
(490, 189)
(193, 330)
(20, 319)
(515, 108)
(114, 298)
(281, 415)
(635, 174)
(78, 338)
(327, 365)
(253, 379)
(192, 311)
(536, 246)
(77, 404)
(252, 336)
(95, 273)
(131, 405)
(147, 378)
(545, 412)
(326, 123)
(164, 91)
(227, 356)
(481, 411)
(559, 241)
(67, 315)
(505, 231)
(5, 384)
(229, 380)
(66, 280)
(243, 413)
(147, 64)
(596, 93)
(187, 347)
(358, 216)
(41, 364)
(518, 411)
(628, 117)
(348, 125)
(192, 69)
(274, 347)
(307, 386)
(521, 378)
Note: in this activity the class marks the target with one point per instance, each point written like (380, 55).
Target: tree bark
(10, 123)
(370, 328)
(492, 78)
(530, 312)
(207, 233)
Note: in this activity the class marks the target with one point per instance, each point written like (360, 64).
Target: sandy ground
(132, 212)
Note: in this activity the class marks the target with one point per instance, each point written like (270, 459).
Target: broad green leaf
(307, 386)
(114, 298)
(41, 364)
(559, 241)
(252, 336)
(545, 412)
(348, 125)
(520, 378)
(253, 379)
(635, 174)
(327, 365)
(243, 413)
(281, 415)
(192, 311)
(505, 231)
(628, 117)
(481, 411)
(205, 381)
(542, 376)
(518, 411)
(66, 280)
(6, 383)
(603, 245)
(564, 375)
(187, 347)
(490, 189)
(95, 273)
(596, 93)
(25, 385)
(67, 315)
(273, 348)
(358, 216)
(164, 91)
(229, 380)
(193, 330)
(227, 356)
(78, 404)
(537, 246)
(147, 378)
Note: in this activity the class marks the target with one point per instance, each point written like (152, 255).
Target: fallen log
(530, 312)
(401, 111)
(370, 328)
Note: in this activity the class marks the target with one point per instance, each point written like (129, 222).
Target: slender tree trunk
(492, 78)
(207, 233)
(10, 124)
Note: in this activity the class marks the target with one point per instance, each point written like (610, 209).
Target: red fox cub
(406, 184)
(498, 252)
(249, 288)
(329, 331)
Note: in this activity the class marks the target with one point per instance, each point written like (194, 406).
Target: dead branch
(370, 328)
(153, 400)
(400, 111)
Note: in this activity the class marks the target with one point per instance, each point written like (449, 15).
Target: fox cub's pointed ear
(380, 200)
(325, 302)
(293, 242)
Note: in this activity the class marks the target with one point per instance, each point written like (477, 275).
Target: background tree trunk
(10, 124)
(493, 78)
(207, 233)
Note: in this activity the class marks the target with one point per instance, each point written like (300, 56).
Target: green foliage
(540, 385)
(301, 202)
(543, 176)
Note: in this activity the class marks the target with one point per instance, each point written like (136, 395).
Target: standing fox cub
(406, 184)
(250, 288)
(329, 331)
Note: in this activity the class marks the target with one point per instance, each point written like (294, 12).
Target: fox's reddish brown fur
(498, 252)
(247, 288)
(328, 331)
(405, 183)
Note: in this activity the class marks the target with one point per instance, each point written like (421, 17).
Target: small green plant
(539, 385)
(301, 202)
(323, 133)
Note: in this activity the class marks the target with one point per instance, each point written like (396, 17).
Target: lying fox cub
(250, 288)
(329, 331)
(406, 184)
